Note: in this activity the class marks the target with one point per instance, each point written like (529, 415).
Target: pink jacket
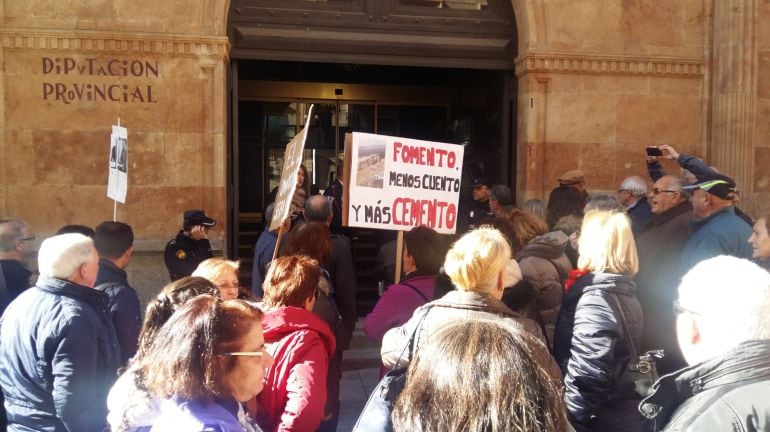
(397, 304)
(294, 395)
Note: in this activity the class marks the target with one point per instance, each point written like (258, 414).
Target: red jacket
(294, 395)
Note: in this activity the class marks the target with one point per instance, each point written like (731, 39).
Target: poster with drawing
(117, 180)
(292, 159)
(400, 183)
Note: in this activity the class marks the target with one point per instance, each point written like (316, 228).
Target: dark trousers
(332, 394)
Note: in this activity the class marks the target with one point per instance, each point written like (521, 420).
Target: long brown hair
(478, 376)
(160, 308)
(525, 228)
(310, 238)
(184, 361)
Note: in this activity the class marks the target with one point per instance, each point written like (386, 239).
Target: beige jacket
(461, 305)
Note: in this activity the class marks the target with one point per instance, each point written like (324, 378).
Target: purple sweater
(397, 304)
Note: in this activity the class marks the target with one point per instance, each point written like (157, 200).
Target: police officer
(191, 246)
(475, 211)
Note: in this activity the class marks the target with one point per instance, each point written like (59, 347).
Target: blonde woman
(476, 265)
(223, 273)
(590, 343)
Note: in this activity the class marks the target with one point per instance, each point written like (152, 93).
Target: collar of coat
(749, 361)
(66, 288)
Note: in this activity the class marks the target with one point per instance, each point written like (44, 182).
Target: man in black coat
(191, 245)
(660, 244)
(114, 242)
(343, 278)
(15, 242)
(58, 351)
(473, 212)
(725, 338)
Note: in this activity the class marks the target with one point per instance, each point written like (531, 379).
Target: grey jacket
(461, 305)
(544, 264)
(727, 393)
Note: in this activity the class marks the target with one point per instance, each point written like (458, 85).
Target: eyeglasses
(678, 309)
(244, 353)
(656, 191)
(30, 238)
(228, 286)
(623, 190)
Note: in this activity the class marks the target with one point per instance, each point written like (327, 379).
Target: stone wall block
(145, 158)
(183, 162)
(71, 157)
(49, 207)
(584, 25)
(581, 118)
(19, 162)
(660, 120)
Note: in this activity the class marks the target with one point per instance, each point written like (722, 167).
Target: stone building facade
(597, 82)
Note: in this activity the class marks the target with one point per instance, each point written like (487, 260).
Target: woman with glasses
(130, 406)
(301, 343)
(590, 341)
(223, 273)
(206, 360)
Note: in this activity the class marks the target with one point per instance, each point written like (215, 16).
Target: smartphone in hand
(654, 151)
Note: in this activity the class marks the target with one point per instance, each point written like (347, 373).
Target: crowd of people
(529, 319)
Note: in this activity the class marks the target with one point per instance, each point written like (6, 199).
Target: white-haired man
(725, 338)
(58, 350)
(633, 194)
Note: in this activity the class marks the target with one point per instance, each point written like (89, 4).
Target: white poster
(117, 183)
(292, 159)
(400, 183)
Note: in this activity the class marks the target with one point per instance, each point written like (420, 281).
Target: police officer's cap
(197, 217)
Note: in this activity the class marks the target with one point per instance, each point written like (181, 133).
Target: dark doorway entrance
(462, 106)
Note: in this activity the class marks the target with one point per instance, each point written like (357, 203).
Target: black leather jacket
(590, 345)
(727, 393)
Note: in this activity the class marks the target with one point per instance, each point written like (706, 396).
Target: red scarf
(574, 275)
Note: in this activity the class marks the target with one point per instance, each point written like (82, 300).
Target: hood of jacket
(549, 246)
(283, 321)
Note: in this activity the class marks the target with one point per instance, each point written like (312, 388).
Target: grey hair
(535, 207)
(634, 184)
(702, 291)
(11, 231)
(317, 209)
(676, 185)
(604, 202)
(60, 256)
(502, 194)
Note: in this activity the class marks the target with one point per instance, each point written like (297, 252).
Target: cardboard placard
(399, 183)
(292, 159)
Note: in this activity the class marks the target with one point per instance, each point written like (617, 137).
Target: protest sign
(400, 183)
(292, 159)
(117, 180)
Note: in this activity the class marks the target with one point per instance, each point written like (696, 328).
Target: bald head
(667, 193)
(318, 209)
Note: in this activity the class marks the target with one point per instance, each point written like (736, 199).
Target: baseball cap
(572, 177)
(479, 181)
(197, 217)
(717, 184)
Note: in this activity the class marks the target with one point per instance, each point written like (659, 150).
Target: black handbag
(635, 379)
(375, 417)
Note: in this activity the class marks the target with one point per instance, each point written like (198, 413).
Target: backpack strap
(417, 291)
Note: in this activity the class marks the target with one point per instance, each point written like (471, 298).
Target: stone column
(734, 93)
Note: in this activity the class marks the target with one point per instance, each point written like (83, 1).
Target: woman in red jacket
(301, 343)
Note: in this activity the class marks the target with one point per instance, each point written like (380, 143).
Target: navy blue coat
(591, 346)
(722, 233)
(124, 307)
(58, 358)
